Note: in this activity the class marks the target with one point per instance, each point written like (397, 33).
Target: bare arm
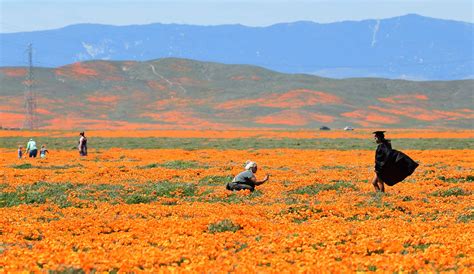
(257, 183)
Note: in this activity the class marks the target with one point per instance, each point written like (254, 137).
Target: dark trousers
(239, 186)
(33, 153)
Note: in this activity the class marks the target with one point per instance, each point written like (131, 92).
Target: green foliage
(29, 166)
(245, 143)
(372, 268)
(150, 192)
(465, 218)
(60, 167)
(179, 164)
(468, 178)
(69, 270)
(301, 212)
(240, 247)
(232, 198)
(454, 191)
(215, 180)
(300, 209)
(316, 188)
(3, 186)
(37, 193)
(291, 200)
(168, 189)
(358, 218)
(333, 167)
(99, 192)
(57, 193)
(223, 226)
(154, 165)
(376, 199)
(139, 198)
(176, 164)
(421, 247)
(23, 166)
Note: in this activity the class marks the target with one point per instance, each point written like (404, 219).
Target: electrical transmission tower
(31, 118)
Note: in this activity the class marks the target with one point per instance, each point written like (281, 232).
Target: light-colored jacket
(31, 145)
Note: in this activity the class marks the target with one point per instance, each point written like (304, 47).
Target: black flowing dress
(392, 166)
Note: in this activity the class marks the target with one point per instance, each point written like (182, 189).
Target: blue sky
(29, 15)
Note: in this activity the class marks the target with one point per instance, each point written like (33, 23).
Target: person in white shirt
(32, 149)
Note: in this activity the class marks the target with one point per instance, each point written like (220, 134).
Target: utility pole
(31, 119)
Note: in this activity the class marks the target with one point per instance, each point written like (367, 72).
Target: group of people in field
(32, 149)
(391, 167)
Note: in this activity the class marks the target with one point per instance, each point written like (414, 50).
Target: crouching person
(246, 179)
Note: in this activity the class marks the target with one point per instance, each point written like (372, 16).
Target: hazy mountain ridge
(411, 46)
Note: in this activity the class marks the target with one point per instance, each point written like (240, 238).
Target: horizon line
(239, 24)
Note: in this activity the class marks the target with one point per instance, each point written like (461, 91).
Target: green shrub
(316, 188)
(468, 178)
(176, 164)
(465, 218)
(149, 166)
(37, 193)
(179, 164)
(139, 199)
(23, 166)
(421, 247)
(215, 180)
(223, 226)
(168, 189)
(232, 198)
(455, 191)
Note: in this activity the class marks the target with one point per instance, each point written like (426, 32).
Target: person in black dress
(391, 166)
(382, 155)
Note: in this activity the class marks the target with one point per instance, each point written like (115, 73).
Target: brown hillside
(185, 94)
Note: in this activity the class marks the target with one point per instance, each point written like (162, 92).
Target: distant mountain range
(407, 47)
(185, 94)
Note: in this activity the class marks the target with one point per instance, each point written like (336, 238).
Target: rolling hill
(406, 47)
(176, 93)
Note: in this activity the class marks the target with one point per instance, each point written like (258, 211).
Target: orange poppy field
(167, 210)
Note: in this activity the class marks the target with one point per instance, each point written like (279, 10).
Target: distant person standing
(82, 144)
(31, 149)
(43, 151)
(20, 152)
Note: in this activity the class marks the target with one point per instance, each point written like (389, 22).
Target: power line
(31, 118)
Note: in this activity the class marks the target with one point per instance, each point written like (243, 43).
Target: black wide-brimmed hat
(379, 133)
